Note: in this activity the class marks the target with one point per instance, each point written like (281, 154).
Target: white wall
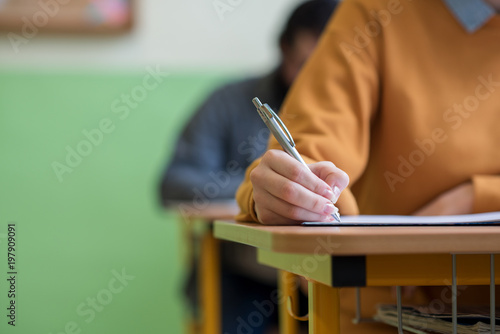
(176, 34)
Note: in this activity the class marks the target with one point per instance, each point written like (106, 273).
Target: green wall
(95, 218)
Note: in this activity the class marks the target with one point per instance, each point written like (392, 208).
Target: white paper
(478, 218)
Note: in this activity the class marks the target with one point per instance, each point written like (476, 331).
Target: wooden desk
(335, 257)
(209, 280)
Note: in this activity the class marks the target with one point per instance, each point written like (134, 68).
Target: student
(402, 96)
(225, 135)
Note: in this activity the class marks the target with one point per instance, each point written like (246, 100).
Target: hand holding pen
(286, 190)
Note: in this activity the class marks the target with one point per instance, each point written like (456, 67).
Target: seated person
(225, 135)
(402, 96)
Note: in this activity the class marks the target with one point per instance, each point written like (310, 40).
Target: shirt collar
(472, 14)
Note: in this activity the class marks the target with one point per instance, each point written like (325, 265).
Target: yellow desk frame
(331, 258)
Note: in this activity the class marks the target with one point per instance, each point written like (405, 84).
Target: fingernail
(329, 209)
(328, 194)
(336, 194)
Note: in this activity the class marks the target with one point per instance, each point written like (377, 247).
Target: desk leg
(492, 294)
(209, 283)
(324, 309)
(288, 286)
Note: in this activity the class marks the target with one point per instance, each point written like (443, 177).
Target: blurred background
(92, 99)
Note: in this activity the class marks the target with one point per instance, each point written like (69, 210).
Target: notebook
(489, 218)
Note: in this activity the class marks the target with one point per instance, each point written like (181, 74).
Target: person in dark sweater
(217, 145)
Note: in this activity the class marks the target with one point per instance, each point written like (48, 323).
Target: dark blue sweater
(224, 136)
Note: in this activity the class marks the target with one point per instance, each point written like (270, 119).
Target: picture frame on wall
(66, 16)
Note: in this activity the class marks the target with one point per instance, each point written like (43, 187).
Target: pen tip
(337, 217)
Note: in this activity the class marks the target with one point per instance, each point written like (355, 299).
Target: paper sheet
(489, 218)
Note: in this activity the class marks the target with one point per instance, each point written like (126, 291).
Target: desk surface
(363, 240)
(216, 209)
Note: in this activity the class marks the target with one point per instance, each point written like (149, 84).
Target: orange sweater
(403, 99)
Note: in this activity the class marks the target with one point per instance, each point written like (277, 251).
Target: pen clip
(282, 125)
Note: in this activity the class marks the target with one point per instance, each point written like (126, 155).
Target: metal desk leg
(454, 292)
(288, 285)
(492, 293)
(400, 310)
(324, 309)
(357, 320)
(209, 284)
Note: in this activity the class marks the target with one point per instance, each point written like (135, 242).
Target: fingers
(279, 212)
(286, 192)
(283, 164)
(336, 178)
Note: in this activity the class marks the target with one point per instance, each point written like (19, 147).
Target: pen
(280, 132)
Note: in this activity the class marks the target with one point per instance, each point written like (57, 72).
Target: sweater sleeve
(331, 105)
(486, 193)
